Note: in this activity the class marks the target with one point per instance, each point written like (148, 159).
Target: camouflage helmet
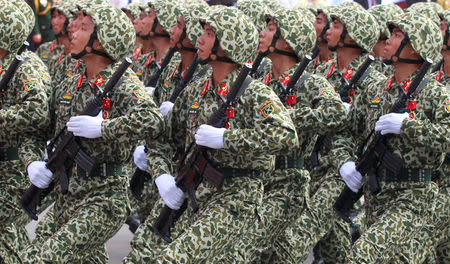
(143, 8)
(113, 29)
(359, 24)
(165, 12)
(295, 29)
(273, 4)
(383, 13)
(236, 34)
(134, 9)
(191, 13)
(424, 35)
(64, 8)
(27, 12)
(14, 27)
(307, 13)
(428, 9)
(255, 10)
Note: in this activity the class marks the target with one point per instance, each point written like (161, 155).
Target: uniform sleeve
(139, 119)
(271, 129)
(161, 151)
(432, 132)
(320, 108)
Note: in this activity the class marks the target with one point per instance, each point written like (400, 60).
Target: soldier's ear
(97, 46)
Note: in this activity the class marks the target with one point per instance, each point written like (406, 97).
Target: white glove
(347, 106)
(139, 157)
(210, 136)
(169, 192)
(390, 123)
(150, 90)
(351, 176)
(39, 175)
(86, 126)
(166, 107)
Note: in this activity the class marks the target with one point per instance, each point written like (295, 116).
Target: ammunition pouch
(10, 153)
(286, 162)
(102, 170)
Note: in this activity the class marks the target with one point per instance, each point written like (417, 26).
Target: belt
(102, 170)
(9, 154)
(447, 159)
(234, 173)
(286, 162)
(405, 175)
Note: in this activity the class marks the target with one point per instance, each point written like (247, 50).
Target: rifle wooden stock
(193, 171)
(375, 151)
(344, 91)
(68, 150)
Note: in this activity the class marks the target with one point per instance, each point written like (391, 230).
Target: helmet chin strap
(273, 49)
(180, 43)
(321, 38)
(93, 51)
(213, 56)
(396, 56)
(153, 32)
(342, 44)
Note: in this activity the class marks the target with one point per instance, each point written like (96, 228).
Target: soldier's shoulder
(32, 64)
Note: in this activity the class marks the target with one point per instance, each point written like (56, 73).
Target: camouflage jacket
(51, 54)
(318, 108)
(317, 63)
(424, 135)
(387, 70)
(132, 115)
(151, 66)
(260, 127)
(171, 78)
(66, 69)
(24, 107)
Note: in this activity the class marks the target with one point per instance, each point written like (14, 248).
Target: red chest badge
(223, 90)
(348, 74)
(330, 71)
(267, 79)
(438, 76)
(285, 79)
(149, 60)
(205, 87)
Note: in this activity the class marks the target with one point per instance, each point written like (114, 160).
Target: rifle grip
(30, 200)
(345, 203)
(137, 183)
(162, 224)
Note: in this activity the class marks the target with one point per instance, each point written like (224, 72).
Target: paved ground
(118, 246)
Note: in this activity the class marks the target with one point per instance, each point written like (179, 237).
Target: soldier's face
(266, 36)
(205, 42)
(443, 27)
(320, 23)
(74, 25)
(129, 16)
(393, 43)
(176, 31)
(334, 33)
(147, 22)
(82, 35)
(58, 20)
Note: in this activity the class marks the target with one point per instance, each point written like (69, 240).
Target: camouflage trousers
(13, 240)
(393, 217)
(223, 216)
(83, 222)
(284, 198)
(318, 222)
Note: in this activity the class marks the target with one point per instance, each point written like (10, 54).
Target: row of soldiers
(227, 168)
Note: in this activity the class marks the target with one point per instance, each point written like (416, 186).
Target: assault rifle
(194, 169)
(154, 78)
(377, 152)
(9, 74)
(325, 142)
(292, 86)
(62, 158)
(140, 177)
(255, 67)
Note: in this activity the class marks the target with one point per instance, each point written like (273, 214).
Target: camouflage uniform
(95, 206)
(253, 136)
(406, 201)
(24, 115)
(319, 223)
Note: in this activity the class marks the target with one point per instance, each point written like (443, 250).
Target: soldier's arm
(432, 132)
(140, 118)
(322, 110)
(270, 132)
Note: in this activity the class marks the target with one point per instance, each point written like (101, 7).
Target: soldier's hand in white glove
(150, 90)
(210, 136)
(351, 176)
(139, 157)
(347, 106)
(165, 107)
(86, 126)
(169, 192)
(39, 175)
(390, 123)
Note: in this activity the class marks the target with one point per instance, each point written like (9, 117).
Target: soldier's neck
(345, 56)
(147, 46)
(403, 70)
(139, 41)
(325, 53)
(186, 59)
(446, 56)
(3, 53)
(280, 64)
(94, 65)
(221, 70)
(161, 45)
